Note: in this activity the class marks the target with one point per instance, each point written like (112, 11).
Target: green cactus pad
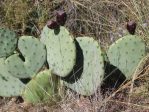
(61, 50)
(43, 87)
(9, 85)
(93, 67)
(34, 54)
(8, 42)
(16, 66)
(126, 53)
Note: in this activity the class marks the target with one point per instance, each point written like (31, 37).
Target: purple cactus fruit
(131, 27)
(52, 24)
(61, 17)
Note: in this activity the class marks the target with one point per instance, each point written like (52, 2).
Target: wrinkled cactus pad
(61, 50)
(34, 54)
(42, 87)
(93, 67)
(8, 42)
(9, 85)
(126, 53)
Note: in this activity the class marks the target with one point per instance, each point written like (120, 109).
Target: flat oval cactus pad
(126, 53)
(34, 54)
(9, 85)
(42, 87)
(8, 42)
(61, 50)
(93, 67)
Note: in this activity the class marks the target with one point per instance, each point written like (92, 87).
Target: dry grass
(105, 21)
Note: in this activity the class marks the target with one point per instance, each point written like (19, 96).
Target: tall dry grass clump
(104, 20)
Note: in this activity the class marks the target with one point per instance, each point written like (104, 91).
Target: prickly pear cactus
(126, 53)
(93, 67)
(10, 86)
(8, 42)
(61, 50)
(142, 64)
(34, 54)
(43, 87)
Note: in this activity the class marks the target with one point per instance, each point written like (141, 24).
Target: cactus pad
(42, 87)
(61, 50)
(34, 54)
(8, 42)
(10, 86)
(93, 67)
(126, 53)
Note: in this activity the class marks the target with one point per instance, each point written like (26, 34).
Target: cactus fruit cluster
(78, 62)
(61, 18)
(131, 27)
